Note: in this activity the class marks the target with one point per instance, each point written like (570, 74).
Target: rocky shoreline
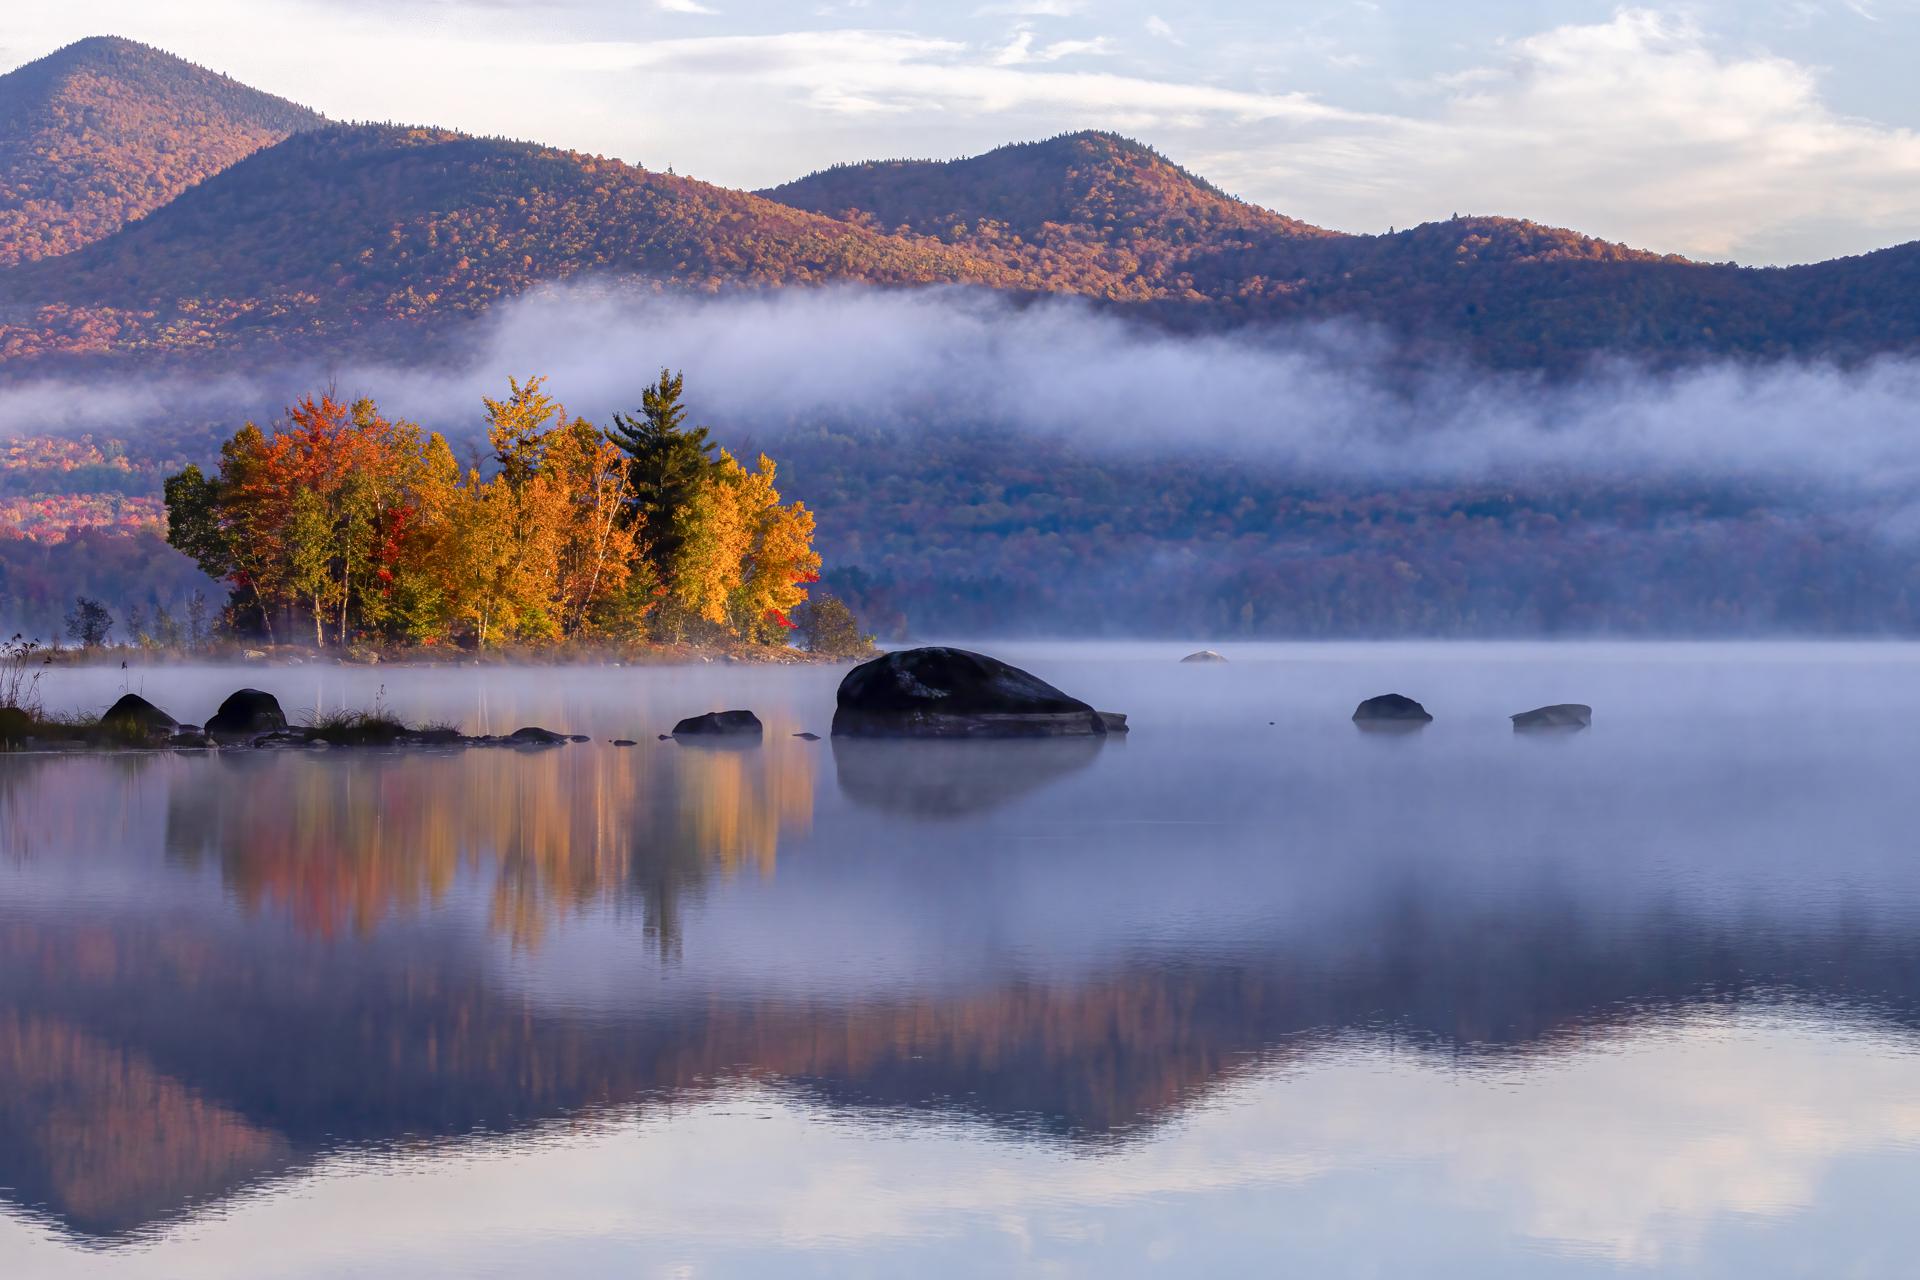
(926, 693)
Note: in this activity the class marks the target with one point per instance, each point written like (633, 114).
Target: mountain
(1089, 213)
(1096, 214)
(341, 227)
(101, 132)
(338, 236)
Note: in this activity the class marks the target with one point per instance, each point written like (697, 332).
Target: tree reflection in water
(341, 842)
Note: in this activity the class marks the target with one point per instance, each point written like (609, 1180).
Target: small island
(359, 534)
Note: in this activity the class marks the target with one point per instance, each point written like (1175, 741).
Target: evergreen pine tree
(668, 460)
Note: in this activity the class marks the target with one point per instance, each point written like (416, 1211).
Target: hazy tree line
(346, 526)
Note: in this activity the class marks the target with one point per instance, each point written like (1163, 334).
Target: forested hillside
(345, 226)
(275, 245)
(104, 131)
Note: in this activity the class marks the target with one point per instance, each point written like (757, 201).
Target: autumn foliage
(352, 526)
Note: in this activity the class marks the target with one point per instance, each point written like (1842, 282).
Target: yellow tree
(745, 560)
(587, 489)
(780, 560)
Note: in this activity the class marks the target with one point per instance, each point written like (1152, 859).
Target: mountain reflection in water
(217, 971)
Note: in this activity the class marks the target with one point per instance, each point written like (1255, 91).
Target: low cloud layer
(1323, 403)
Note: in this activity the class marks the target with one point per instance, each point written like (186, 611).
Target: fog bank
(1328, 402)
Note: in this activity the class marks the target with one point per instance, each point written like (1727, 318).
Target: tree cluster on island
(348, 527)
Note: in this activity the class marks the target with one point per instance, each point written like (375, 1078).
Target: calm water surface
(1250, 992)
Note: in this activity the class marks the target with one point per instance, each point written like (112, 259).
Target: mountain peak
(104, 130)
(1092, 211)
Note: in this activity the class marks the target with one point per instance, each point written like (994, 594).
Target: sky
(1758, 131)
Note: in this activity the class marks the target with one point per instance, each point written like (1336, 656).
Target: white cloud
(1636, 129)
(862, 71)
(1021, 49)
(1158, 27)
(683, 6)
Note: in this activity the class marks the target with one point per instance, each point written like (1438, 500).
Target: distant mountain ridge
(105, 130)
(1097, 212)
(336, 233)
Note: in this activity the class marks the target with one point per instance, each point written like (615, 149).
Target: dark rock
(953, 693)
(1112, 721)
(534, 736)
(808, 737)
(134, 716)
(16, 726)
(666, 737)
(720, 724)
(1565, 716)
(625, 742)
(578, 737)
(1391, 708)
(1205, 655)
(247, 713)
(189, 739)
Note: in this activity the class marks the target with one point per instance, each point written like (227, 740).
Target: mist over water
(1639, 998)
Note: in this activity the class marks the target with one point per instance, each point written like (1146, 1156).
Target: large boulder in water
(1391, 709)
(247, 713)
(133, 716)
(953, 693)
(720, 724)
(1565, 716)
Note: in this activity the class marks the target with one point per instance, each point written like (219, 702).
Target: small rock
(1205, 655)
(578, 737)
(15, 725)
(134, 715)
(1566, 715)
(720, 723)
(666, 737)
(186, 739)
(808, 737)
(534, 736)
(247, 713)
(625, 742)
(1391, 708)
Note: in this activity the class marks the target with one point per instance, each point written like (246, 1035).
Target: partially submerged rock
(807, 737)
(1205, 655)
(954, 693)
(1564, 716)
(625, 742)
(720, 724)
(16, 726)
(247, 713)
(1391, 710)
(535, 736)
(134, 717)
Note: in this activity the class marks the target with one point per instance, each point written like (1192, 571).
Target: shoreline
(307, 656)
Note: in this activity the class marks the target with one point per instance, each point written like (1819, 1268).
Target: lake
(1248, 991)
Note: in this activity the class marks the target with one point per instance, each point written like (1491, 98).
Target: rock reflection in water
(953, 778)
